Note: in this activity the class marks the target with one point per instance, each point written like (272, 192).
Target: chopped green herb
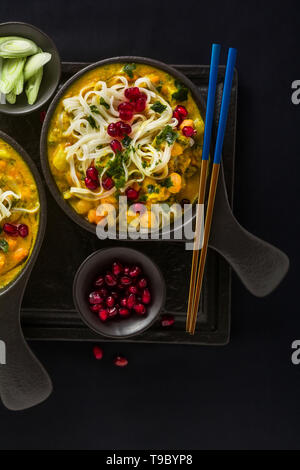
(3, 245)
(120, 183)
(152, 189)
(144, 164)
(143, 198)
(128, 69)
(159, 87)
(168, 135)
(182, 92)
(94, 109)
(92, 122)
(103, 102)
(158, 107)
(167, 183)
(126, 141)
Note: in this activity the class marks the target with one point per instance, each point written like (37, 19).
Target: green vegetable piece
(11, 70)
(11, 97)
(158, 107)
(34, 63)
(126, 141)
(12, 47)
(33, 86)
(92, 122)
(167, 183)
(128, 69)
(3, 245)
(168, 135)
(103, 102)
(19, 85)
(94, 109)
(182, 92)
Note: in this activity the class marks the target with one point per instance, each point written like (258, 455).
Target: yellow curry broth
(16, 176)
(184, 161)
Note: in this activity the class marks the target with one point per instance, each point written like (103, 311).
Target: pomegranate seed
(142, 283)
(125, 281)
(135, 271)
(123, 302)
(108, 183)
(188, 131)
(140, 309)
(146, 296)
(103, 314)
(140, 105)
(124, 312)
(131, 300)
(125, 111)
(11, 230)
(114, 294)
(112, 130)
(95, 298)
(110, 301)
(110, 280)
(120, 361)
(181, 110)
(112, 312)
(126, 270)
(117, 268)
(99, 281)
(132, 194)
(98, 352)
(91, 184)
(92, 173)
(132, 93)
(123, 128)
(116, 146)
(23, 230)
(95, 308)
(167, 320)
(177, 116)
(132, 290)
(103, 292)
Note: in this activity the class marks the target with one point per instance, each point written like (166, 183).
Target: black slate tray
(48, 311)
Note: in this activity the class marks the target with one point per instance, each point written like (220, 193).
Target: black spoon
(259, 265)
(23, 380)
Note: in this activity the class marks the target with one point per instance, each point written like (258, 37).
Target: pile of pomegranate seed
(119, 129)
(16, 230)
(120, 292)
(92, 178)
(180, 113)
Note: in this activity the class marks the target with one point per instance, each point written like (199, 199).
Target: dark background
(241, 396)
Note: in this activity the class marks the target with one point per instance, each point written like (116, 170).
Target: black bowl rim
(43, 141)
(38, 105)
(122, 249)
(43, 213)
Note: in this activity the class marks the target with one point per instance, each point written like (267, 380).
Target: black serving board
(48, 311)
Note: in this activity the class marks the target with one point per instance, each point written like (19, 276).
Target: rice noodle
(92, 144)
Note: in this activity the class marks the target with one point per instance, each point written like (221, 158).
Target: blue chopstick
(225, 104)
(213, 75)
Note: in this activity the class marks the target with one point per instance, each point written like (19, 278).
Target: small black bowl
(52, 69)
(99, 262)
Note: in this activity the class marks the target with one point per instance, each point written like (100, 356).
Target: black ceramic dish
(259, 265)
(99, 262)
(23, 380)
(52, 69)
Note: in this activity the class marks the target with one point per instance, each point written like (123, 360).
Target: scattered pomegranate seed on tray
(167, 320)
(98, 352)
(120, 361)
